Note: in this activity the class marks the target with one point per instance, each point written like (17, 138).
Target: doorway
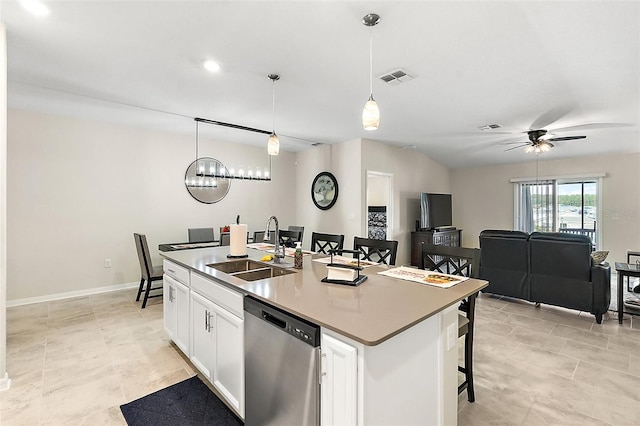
(379, 203)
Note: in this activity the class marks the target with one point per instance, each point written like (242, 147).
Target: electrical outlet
(107, 263)
(452, 336)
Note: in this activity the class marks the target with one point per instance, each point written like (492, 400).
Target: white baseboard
(71, 294)
(5, 382)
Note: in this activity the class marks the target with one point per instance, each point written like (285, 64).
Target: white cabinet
(175, 301)
(202, 337)
(217, 340)
(339, 382)
(175, 306)
(228, 369)
(360, 382)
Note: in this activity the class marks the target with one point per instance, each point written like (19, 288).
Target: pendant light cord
(371, 62)
(197, 140)
(273, 106)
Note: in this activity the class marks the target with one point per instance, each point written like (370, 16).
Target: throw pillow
(598, 257)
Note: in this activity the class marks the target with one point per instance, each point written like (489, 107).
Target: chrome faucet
(279, 251)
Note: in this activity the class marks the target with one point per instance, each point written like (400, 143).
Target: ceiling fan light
(544, 147)
(371, 115)
(273, 145)
(529, 149)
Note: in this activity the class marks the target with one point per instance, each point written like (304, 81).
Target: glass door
(578, 208)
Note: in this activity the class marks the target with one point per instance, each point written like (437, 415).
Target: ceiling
(520, 64)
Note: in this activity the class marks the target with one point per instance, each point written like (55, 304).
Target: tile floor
(75, 361)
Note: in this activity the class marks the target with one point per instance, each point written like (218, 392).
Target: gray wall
(483, 197)
(79, 189)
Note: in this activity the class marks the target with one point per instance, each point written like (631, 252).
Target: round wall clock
(324, 190)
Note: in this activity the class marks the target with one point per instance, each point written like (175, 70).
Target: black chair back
(379, 251)
(461, 261)
(322, 243)
(297, 228)
(290, 238)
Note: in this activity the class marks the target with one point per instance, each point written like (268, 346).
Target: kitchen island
(389, 346)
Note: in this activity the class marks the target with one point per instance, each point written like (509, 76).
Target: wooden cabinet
(217, 342)
(339, 402)
(452, 237)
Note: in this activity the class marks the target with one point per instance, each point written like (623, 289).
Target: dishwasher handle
(274, 320)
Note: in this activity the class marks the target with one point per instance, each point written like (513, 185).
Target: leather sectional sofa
(545, 267)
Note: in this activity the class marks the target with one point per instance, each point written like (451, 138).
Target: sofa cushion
(562, 255)
(561, 269)
(504, 262)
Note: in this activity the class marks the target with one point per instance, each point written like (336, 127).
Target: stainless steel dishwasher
(281, 367)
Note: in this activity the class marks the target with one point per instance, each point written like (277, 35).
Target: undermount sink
(241, 265)
(261, 274)
(250, 270)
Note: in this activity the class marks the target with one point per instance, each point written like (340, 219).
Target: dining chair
(149, 273)
(201, 235)
(465, 262)
(297, 228)
(322, 243)
(379, 251)
(258, 237)
(289, 238)
(225, 239)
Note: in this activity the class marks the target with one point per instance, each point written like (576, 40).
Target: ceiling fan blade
(516, 147)
(589, 126)
(514, 143)
(551, 116)
(566, 138)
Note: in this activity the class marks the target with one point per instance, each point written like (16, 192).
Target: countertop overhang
(371, 313)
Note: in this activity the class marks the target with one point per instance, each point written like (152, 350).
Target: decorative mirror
(206, 180)
(324, 190)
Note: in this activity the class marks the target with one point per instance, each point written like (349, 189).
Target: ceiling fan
(540, 141)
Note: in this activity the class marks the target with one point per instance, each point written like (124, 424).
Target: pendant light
(370, 113)
(273, 146)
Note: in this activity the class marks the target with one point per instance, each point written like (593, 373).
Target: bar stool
(322, 243)
(465, 262)
(379, 251)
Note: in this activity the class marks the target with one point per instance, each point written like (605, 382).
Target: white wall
(78, 190)
(377, 193)
(483, 197)
(346, 216)
(5, 382)
(413, 173)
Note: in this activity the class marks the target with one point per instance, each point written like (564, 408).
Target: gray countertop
(371, 313)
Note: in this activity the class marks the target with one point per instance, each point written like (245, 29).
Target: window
(558, 205)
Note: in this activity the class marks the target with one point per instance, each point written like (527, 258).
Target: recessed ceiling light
(35, 7)
(211, 66)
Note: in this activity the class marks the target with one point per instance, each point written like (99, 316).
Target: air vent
(396, 77)
(490, 127)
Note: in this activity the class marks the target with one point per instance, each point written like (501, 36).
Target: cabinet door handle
(210, 326)
(206, 320)
(321, 360)
(171, 270)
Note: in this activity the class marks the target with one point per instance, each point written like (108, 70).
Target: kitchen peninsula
(389, 346)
